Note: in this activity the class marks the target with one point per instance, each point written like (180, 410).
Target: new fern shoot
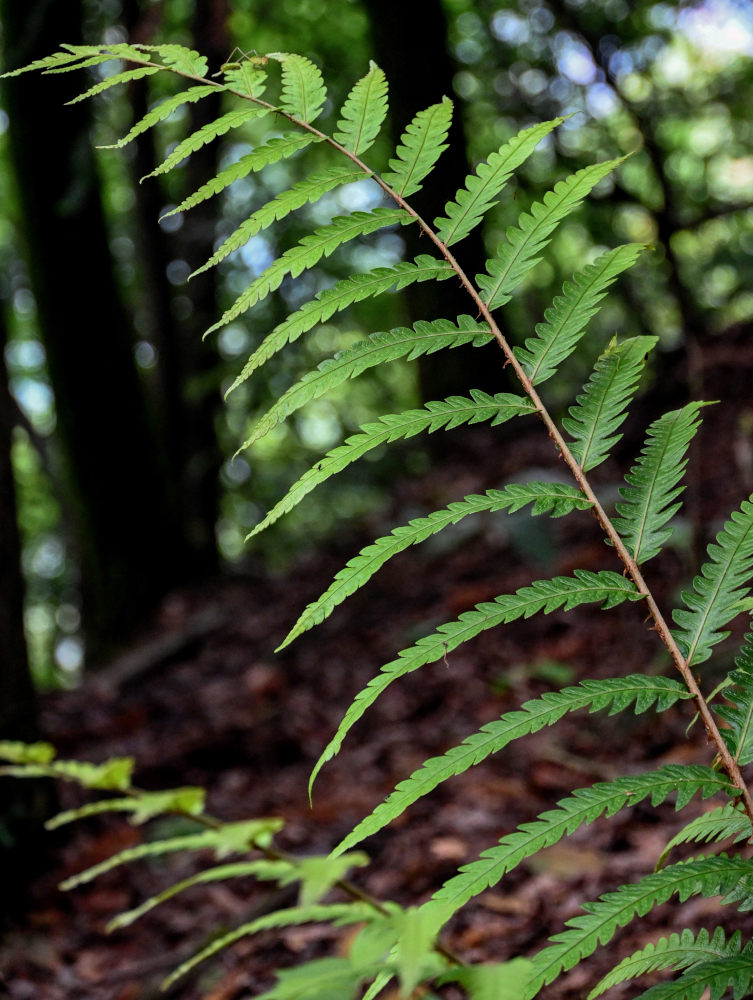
(401, 948)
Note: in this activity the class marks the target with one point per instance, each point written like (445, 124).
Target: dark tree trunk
(130, 541)
(23, 804)
(412, 47)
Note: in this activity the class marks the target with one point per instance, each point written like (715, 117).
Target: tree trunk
(131, 547)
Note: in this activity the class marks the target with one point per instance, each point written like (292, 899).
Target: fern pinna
(399, 946)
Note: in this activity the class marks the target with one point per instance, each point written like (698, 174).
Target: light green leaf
(364, 112)
(729, 820)
(303, 90)
(127, 76)
(212, 130)
(421, 145)
(163, 111)
(26, 753)
(498, 981)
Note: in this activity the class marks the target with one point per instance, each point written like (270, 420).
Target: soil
(204, 700)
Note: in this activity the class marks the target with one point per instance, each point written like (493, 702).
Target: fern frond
(260, 868)
(602, 406)
(207, 133)
(379, 348)
(422, 143)
(494, 981)
(605, 588)
(127, 76)
(341, 295)
(71, 57)
(287, 201)
(653, 483)
(738, 714)
(518, 256)
(717, 589)
(303, 90)
(341, 914)
(175, 57)
(145, 806)
(566, 319)
(725, 821)
(364, 112)
(711, 979)
(556, 499)
(308, 252)
(231, 837)
(163, 111)
(678, 951)
(278, 148)
(57, 59)
(713, 876)
(447, 414)
(615, 695)
(482, 188)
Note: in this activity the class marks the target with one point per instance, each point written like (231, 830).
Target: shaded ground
(204, 700)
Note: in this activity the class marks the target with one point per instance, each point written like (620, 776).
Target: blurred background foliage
(671, 83)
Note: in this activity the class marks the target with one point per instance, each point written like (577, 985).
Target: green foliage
(405, 945)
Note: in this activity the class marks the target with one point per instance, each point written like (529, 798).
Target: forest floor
(204, 700)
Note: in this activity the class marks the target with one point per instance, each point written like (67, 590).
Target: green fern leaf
(518, 256)
(482, 188)
(678, 951)
(231, 837)
(303, 90)
(308, 252)
(178, 58)
(283, 204)
(339, 913)
(379, 348)
(76, 57)
(55, 61)
(605, 588)
(18, 752)
(718, 588)
(343, 294)
(615, 695)
(364, 112)
(725, 821)
(567, 317)
(713, 876)
(278, 148)
(84, 64)
(653, 483)
(381, 982)
(261, 868)
(738, 714)
(711, 979)
(163, 111)
(556, 499)
(602, 407)
(497, 981)
(582, 807)
(145, 806)
(447, 414)
(112, 775)
(422, 143)
(322, 979)
(220, 126)
(127, 76)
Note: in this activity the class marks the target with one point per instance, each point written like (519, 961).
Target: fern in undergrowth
(406, 948)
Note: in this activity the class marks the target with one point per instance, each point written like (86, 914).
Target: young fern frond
(482, 189)
(602, 407)
(716, 876)
(422, 143)
(303, 90)
(307, 254)
(278, 148)
(729, 820)
(308, 190)
(566, 319)
(556, 499)
(738, 713)
(517, 256)
(615, 695)
(341, 295)
(446, 414)
(719, 587)
(363, 113)
(379, 348)
(606, 588)
(654, 483)
(678, 951)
